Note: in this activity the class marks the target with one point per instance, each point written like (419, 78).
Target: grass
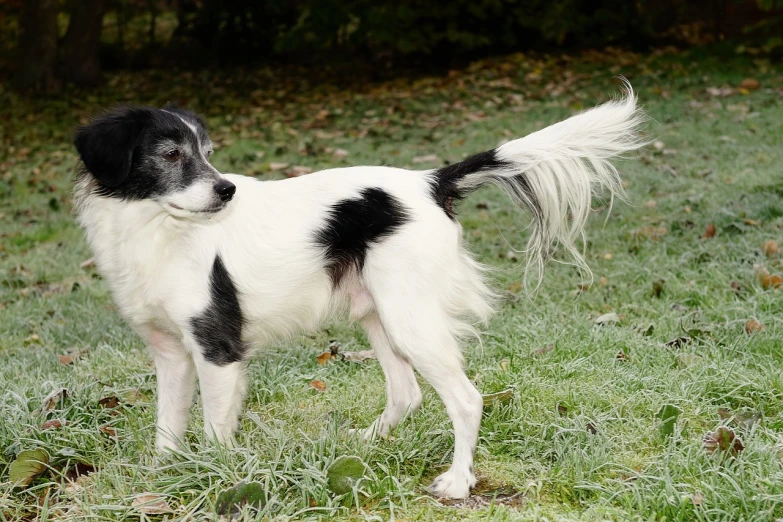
(580, 437)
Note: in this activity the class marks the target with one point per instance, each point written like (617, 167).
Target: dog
(207, 267)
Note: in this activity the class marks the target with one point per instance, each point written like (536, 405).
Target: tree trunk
(79, 60)
(37, 46)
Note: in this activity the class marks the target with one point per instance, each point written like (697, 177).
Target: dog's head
(137, 153)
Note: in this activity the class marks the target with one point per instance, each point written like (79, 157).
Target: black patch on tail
(444, 187)
(219, 328)
(354, 224)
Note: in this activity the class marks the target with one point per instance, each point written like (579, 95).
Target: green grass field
(581, 436)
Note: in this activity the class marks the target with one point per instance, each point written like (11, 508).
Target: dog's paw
(452, 484)
(366, 434)
(370, 433)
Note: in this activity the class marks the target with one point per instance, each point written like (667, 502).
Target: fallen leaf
(340, 153)
(324, 358)
(544, 349)
(657, 287)
(749, 84)
(108, 430)
(72, 354)
(722, 441)
(668, 415)
(109, 402)
(499, 397)
(78, 470)
(504, 364)
(678, 342)
(590, 427)
(646, 331)
(343, 473)
(621, 356)
(709, 232)
(298, 170)
(688, 359)
(698, 498)
(27, 465)
(358, 357)
(231, 501)
(753, 326)
(51, 400)
(53, 424)
(151, 504)
(770, 248)
(133, 396)
(610, 318)
(33, 338)
(89, 263)
(562, 409)
(767, 281)
(744, 418)
(318, 385)
(277, 166)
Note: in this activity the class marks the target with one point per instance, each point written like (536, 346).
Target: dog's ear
(107, 143)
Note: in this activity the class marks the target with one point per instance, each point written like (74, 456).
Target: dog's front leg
(176, 376)
(222, 389)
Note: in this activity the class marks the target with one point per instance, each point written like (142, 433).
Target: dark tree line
(51, 52)
(46, 60)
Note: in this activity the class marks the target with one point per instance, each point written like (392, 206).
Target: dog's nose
(225, 189)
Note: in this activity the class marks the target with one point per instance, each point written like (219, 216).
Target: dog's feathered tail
(552, 174)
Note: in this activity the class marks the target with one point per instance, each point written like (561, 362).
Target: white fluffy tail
(552, 173)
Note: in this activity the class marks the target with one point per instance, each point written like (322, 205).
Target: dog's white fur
(418, 292)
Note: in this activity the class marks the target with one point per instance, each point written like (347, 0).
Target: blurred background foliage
(47, 44)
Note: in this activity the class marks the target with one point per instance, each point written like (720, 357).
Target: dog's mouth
(209, 210)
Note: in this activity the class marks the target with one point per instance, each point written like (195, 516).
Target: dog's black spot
(444, 189)
(353, 225)
(219, 328)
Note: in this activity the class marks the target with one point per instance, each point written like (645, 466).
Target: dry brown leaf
(298, 170)
(723, 440)
(753, 326)
(277, 166)
(151, 504)
(51, 400)
(358, 357)
(770, 248)
(108, 430)
(709, 232)
(53, 424)
(749, 84)
(318, 385)
(109, 402)
(89, 263)
(544, 350)
(324, 358)
(698, 498)
(621, 356)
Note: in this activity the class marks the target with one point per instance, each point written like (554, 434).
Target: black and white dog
(207, 266)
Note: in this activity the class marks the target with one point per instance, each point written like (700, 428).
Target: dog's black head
(136, 153)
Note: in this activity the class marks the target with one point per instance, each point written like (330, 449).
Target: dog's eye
(172, 155)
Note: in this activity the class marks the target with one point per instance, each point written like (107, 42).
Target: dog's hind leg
(403, 395)
(419, 328)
